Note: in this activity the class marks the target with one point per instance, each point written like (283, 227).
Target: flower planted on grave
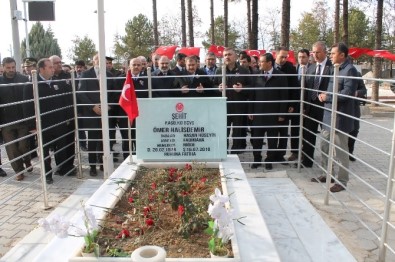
(62, 228)
(221, 227)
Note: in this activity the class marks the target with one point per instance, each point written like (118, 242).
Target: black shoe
(33, 155)
(268, 166)
(93, 171)
(255, 165)
(351, 158)
(29, 167)
(2, 173)
(49, 180)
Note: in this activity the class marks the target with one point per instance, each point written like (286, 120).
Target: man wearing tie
(315, 80)
(266, 110)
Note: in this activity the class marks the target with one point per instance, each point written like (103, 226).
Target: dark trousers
(123, 128)
(51, 139)
(351, 140)
(282, 140)
(95, 147)
(310, 130)
(257, 143)
(239, 133)
(17, 149)
(69, 149)
(295, 121)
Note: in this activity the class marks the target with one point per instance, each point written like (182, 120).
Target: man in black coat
(293, 95)
(195, 81)
(12, 113)
(92, 111)
(141, 87)
(237, 78)
(316, 79)
(163, 78)
(267, 110)
(53, 113)
(68, 127)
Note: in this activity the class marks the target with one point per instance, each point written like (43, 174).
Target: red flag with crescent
(189, 51)
(128, 99)
(166, 51)
(217, 50)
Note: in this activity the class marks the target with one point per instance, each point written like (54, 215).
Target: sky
(77, 18)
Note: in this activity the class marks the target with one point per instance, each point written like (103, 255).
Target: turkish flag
(291, 57)
(189, 51)
(128, 99)
(166, 51)
(217, 50)
(356, 52)
(255, 52)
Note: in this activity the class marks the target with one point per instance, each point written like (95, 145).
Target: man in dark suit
(237, 78)
(92, 111)
(141, 87)
(163, 78)
(180, 66)
(316, 79)
(53, 112)
(303, 60)
(68, 127)
(267, 110)
(344, 124)
(195, 82)
(293, 94)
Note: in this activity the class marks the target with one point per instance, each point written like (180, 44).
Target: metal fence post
(223, 80)
(329, 168)
(302, 93)
(40, 137)
(387, 203)
(76, 127)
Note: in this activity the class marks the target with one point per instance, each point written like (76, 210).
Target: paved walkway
(21, 202)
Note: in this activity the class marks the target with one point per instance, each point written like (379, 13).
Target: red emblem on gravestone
(180, 107)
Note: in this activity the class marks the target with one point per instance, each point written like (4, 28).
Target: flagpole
(130, 143)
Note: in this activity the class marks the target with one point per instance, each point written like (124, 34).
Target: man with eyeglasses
(316, 81)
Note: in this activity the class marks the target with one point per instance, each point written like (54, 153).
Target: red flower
(123, 234)
(149, 222)
(153, 186)
(203, 179)
(184, 193)
(181, 210)
(188, 167)
(130, 200)
(147, 211)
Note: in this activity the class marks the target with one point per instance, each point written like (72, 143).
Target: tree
(285, 23)
(155, 21)
(42, 43)
(183, 24)
(307, 32)
(83, 49)
(138, 39)
(190, 23)
(249, 30)
(345, 22)
(254, 25)
(320, 13)
(212, 22)
(336, 22)
(360, 34)
(220, 33)
(377, 60)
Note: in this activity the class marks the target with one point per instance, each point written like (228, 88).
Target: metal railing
(384, 215)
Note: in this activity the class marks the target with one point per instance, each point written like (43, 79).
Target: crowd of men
(263, 96)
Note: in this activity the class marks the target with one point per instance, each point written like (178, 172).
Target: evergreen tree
(42, 43)
(83, 49)
(219, 24)
(138, 40)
